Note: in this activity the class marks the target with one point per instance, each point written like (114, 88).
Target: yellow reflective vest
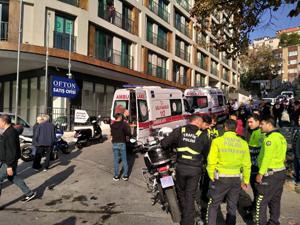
(229, 155)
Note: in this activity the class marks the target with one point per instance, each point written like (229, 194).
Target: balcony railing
(118, 19)
(71, 2)
(183, 28)
(160, 11)
(214, 71)
(157, 71)
(3, 31)
(161, 42)
(214, 52)
(184, 4)
(183, 54)
(202, 64)
(113, 56)
(62, 41)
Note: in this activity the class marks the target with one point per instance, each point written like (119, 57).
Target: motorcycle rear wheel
(26, 152)
(173, 206)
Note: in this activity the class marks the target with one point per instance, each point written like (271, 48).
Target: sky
(279, 21)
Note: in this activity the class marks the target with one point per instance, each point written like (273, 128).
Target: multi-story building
(112, 43)
(272, 42)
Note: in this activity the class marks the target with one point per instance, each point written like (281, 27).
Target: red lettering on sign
(122, 97)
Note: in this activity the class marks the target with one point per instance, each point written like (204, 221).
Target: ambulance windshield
(198, 102)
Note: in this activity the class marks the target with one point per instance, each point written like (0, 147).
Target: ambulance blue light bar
(131, 86)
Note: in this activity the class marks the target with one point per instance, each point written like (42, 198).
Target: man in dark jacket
(9, 155)
(277, 111)
(119, 131)
(296, 147)
(44, 138)
(192, 148)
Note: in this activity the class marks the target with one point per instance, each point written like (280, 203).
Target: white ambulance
(150, 108)
(207, 101)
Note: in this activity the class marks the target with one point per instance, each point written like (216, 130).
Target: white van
(207, 101)
(150, 108)
(288, 94)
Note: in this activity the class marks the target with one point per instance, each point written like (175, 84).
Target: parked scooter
(86, 133)
(159, 175)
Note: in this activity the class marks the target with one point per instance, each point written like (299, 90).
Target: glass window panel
(23, 99)
(33, 100)
(59, 24)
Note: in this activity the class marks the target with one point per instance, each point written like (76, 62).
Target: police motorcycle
(159, 173)
(87, 133)
(60, 144)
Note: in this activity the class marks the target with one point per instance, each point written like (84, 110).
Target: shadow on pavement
(25, 169)
(69, 221)
(50, 183)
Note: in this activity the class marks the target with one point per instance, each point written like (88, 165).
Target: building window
(71, 2)
(157, 66)
(292, 62)
(294, 70)
(64, 33)
(4, 20)
(293, 53)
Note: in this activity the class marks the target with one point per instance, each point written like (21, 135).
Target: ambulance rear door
(143, 121)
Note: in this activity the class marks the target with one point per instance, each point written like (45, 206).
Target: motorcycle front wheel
(173, 206)
(26, 152)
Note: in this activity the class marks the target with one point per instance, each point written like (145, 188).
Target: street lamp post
(47, 58)
(69, 74)
(18, 62)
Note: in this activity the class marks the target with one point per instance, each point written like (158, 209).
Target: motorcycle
(85, 134)
(28, 150)
(159, 175)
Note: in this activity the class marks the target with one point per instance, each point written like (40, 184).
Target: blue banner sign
(64, 87)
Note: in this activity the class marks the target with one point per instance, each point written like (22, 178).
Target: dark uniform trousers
(228, 187)
(187, 179)
(269, 195)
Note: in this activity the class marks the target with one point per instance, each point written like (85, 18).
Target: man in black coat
(9, 155)
(44, 139)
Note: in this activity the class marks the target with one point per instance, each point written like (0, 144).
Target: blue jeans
(120, 148)
(14, 179)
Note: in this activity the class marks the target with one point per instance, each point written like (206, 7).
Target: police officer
(255, 142)
(192, 147)
(271, 174)
(228, 169)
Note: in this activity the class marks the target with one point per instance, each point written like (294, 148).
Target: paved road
(79, 189)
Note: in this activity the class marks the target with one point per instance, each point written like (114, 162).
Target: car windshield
(20, 121)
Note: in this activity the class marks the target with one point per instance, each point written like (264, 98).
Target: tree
(240, 18)
(289, 39)
(259, 64)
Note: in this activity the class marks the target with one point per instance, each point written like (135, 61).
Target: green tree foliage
(289, 39)
(259, 64)
(240, 19)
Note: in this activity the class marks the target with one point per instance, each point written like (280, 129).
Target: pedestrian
(277, 112)
(39, 120)
(120, 130)
(192, 148)
(228, 162)
(272, 173)
(239, 126)
(295, 113)
(296, 148)
(44, 140)
(9, 154)
(255, 142)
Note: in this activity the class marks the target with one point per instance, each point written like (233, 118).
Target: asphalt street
(78, 189)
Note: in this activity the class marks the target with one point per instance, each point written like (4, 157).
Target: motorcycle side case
(158, 156)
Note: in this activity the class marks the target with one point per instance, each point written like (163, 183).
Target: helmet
(164, 132)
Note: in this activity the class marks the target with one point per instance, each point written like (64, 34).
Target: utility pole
(47, 58)
(18, 62)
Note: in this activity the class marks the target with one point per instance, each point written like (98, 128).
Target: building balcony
(118, 19)
(214, 52)
(184, 4)
(182, 54)
(161, 42)
(64, 40)
(71, 2)
(202, 64)
(157, 71)
(183, 28)
(3, 31)
(158, 10)
(113, 56)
